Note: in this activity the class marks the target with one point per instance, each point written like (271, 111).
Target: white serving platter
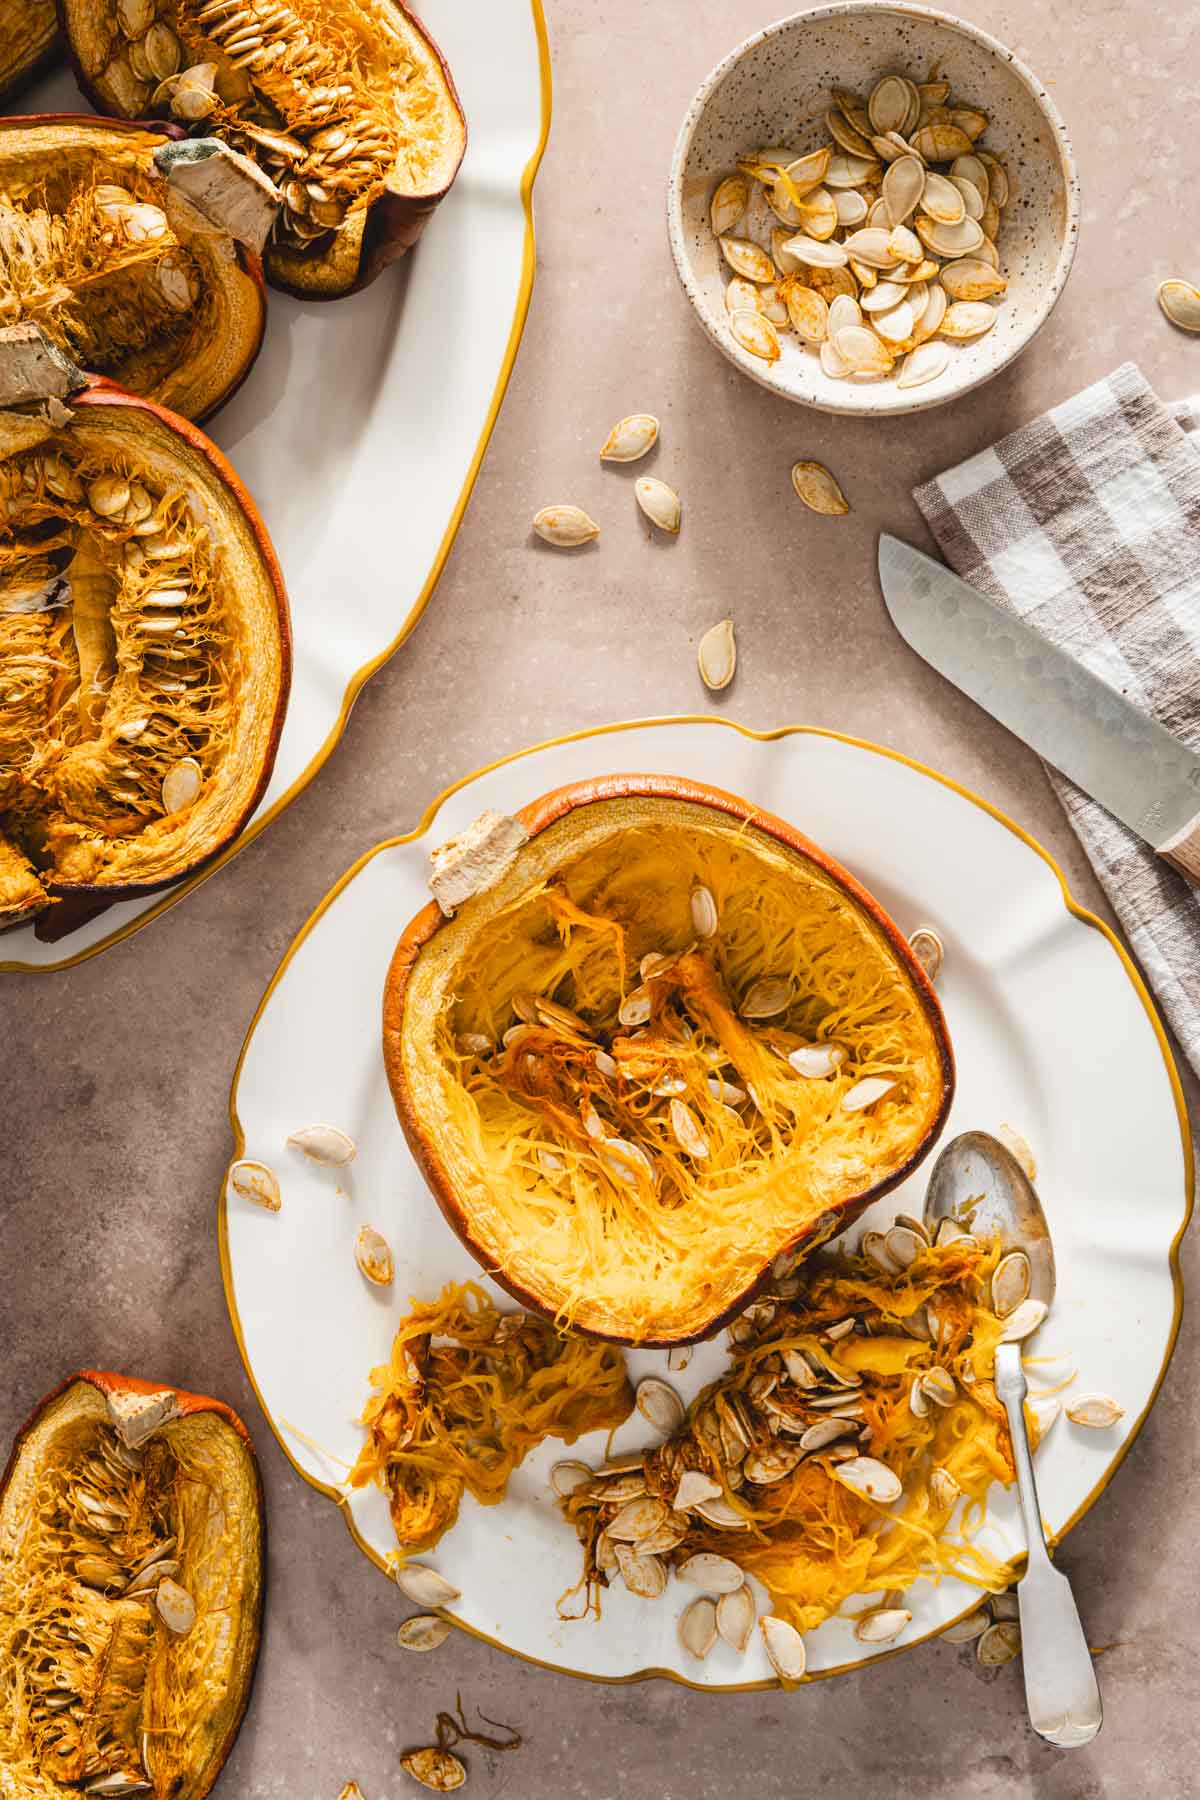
(362, 426)
(1053, 1033)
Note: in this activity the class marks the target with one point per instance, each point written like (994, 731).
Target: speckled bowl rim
(861, 402)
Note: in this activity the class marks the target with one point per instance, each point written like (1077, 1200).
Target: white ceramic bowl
(774, 88)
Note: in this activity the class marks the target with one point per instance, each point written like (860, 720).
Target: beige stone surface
(116, 1074)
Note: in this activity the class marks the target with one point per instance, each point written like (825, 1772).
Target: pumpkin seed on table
(660, 503)
(632, 438)
(716, 656)
(1180, 301)
(424, 1631)
(438, 1769)
(818, 489)
(566, 527)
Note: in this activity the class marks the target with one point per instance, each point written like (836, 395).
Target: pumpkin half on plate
(131, 1571)
(136, 254)
(144, 644)
(346, 104)
(662, 1041)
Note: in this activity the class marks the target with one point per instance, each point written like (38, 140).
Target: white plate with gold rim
(1052, 1030)
(376, 407)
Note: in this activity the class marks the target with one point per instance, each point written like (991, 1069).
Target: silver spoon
(980, 1184)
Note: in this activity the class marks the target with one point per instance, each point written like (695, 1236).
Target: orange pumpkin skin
(185, 1405)
(536, 817)
(76, 901)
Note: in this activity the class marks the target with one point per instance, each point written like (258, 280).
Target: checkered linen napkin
(1087, 523)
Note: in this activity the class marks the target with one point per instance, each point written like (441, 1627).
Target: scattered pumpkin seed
(660, 503)
(566, 527)
(818, 489)
(1099, 1411)
(632, 437)
(717, 656)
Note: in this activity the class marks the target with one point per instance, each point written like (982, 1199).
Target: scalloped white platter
(1053, 1033)
(374, 408)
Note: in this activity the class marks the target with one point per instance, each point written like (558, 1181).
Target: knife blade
(1093, 734)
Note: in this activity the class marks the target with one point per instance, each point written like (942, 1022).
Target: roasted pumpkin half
(137, 256)
(131, 1578)
(28, 41)
(144, 643)
(347, 104)
(663, 1041)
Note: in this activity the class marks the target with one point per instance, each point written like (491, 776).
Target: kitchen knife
(1105, 744)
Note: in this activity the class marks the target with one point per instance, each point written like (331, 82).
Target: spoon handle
(1061, 1690)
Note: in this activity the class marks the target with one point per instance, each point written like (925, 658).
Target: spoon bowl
(980, 1184)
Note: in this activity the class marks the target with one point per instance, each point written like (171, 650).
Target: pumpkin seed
(644, 1576)
(895, 326)
(767, 997)
(686, 1130)
(941, 143)
(866, 1092)
(843, 310)
(882, 1625)
(973, 201)
(741, 296)
(967, 278)
(1010, 1283)
(694, 1486)
(735, 1618)
(255, 1181)
(698, 1627)
(660, 1405)
(175, 1607)
(438, 1769)
(814, 252)
(862, 350)
(373, 1254)
(181, 785)
(784, 1647)
(1023, 1321)
(722, 1514)
(1043, 1410)
(565, 526)
(1180, 301)
(850, 206)
(135, 16)
(568, 1475)
(660, 503)
(1098, 1411)
(746, 258)
(833, 363)
(717, 656)
(729, 202)
(999, 1644)
(755, 334)
(424, 1631)
(808, 313)
(771, 303)
(904, 185)
(325, 1144)
(924, 942)
(965, 1631)
(870, 1479)
(711, 1573)
(870, 246)
(704, 912)
(818, 489)
(817, 1061)
(967, 319)
(630, 438)
(424, 1586)
(888, 105)
(941, 200)
(1018, 1147)
(959, 239)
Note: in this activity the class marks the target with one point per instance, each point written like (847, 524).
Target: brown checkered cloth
(1087, 524)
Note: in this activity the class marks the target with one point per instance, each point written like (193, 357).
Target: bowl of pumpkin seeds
(872, 208)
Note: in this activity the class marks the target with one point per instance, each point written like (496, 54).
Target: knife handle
(1182, 850)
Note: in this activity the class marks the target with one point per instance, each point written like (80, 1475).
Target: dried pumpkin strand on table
(812, 1542)
(468, 1392)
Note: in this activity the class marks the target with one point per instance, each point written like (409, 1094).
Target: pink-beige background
(116, 1074)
